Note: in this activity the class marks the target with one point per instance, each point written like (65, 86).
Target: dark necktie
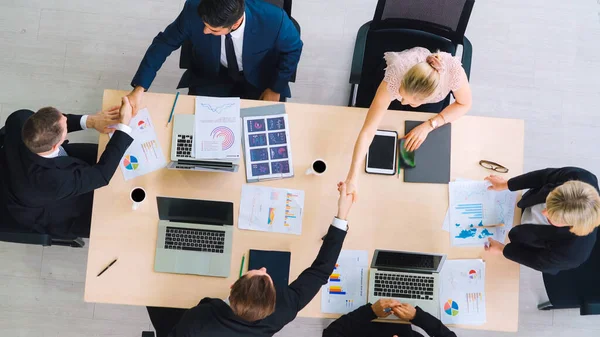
(232, 66)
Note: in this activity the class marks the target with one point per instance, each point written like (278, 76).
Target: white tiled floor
(536, 60)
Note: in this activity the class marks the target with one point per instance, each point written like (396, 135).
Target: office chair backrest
(286, 5)
(447, 18)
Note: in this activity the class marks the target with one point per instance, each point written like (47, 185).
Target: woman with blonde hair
(414, 77)
(561, 214)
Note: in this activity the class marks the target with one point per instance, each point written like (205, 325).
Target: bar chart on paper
(472, 207)
(347, 284)
(271, 209)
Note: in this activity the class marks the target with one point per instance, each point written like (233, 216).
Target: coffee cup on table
(137, 196)
(317, 168)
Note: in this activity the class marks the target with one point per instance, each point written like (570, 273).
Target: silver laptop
(182, 150)
(408, 277)
(194, 237)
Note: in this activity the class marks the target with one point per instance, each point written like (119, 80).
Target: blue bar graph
(473, 211)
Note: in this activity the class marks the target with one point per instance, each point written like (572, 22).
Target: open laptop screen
(413, 261)
(205, 212)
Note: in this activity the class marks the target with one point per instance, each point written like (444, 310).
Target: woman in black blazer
(561, 213)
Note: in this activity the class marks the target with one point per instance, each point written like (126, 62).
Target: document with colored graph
(476, 213)
(217, 130)
(346, 289)
(269, 209)
(267, 148)
(462, 292)
(144, 155)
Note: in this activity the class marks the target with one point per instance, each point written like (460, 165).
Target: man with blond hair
(561, 214)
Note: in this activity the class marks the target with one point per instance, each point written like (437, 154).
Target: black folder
(276, 262)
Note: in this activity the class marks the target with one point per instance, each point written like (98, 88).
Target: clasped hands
(403, 311)
(104, 121)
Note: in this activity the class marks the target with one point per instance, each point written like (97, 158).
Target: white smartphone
(381, 157)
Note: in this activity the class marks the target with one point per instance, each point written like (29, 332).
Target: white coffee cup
(318, 167)
(137, 196)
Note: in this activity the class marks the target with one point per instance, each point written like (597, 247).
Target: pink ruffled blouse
(452, 75)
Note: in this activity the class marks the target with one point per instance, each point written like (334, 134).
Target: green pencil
(242, 265)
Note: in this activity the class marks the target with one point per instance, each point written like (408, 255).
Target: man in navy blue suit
(241, 48)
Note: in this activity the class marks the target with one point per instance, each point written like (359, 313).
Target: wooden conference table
(389, 214)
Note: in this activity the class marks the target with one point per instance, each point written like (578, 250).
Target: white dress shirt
(533, 215)
(340, 224)
(60, 151)
(237, 36)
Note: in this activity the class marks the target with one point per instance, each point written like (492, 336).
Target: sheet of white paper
(462, 292)
(269, 209)
(144, 155)
(267, 147)
(472, 206)
(217, 131)
(346, 289)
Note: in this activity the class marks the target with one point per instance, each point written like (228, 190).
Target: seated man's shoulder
(267, 12)
(19, 116)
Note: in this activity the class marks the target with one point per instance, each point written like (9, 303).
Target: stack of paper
(267, 146)
(473, 207)
(271, 209)
(346, 289)
(217, 132)
(462, 292)
(144, 155)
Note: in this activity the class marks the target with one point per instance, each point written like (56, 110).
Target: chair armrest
(359, 53)
(75, 243)
(590, 307)
(26, 238)
(466, 56)
(147, 333)
(297, 25)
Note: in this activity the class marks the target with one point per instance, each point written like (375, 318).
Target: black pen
(103, 270)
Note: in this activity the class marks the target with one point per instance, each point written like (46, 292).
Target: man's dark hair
(221, 13)
(42, 130)
(253, 297)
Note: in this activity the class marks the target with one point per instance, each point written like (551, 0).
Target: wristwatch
(433, 123)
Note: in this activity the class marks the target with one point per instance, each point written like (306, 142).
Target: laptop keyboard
(199, 240)
(403, 286)
(184, 146)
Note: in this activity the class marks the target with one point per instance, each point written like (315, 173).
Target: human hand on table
(415, 138)
(136, 97)
(103, 119)
(405, 311)
(344, 202)
(494, 247)
(498, 183)
(382, 304)
(270, 95)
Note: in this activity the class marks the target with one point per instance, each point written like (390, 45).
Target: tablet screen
(381, 152)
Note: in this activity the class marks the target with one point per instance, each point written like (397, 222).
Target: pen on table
(399, 154)
(242, 265)
(173, 109)
(495, 225)
(105, 269)
(387, 310)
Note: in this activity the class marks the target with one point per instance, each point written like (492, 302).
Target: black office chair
(10, 231)
(403, 24)
(186, 59)
(576, 288)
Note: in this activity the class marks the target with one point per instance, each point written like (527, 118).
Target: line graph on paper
(216, 108)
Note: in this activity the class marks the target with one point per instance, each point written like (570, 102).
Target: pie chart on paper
(451, 308)
(130, 163)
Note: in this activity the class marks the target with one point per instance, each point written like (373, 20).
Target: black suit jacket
(548, 249)
(42, 193)
(213, 317)
(358, 324)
